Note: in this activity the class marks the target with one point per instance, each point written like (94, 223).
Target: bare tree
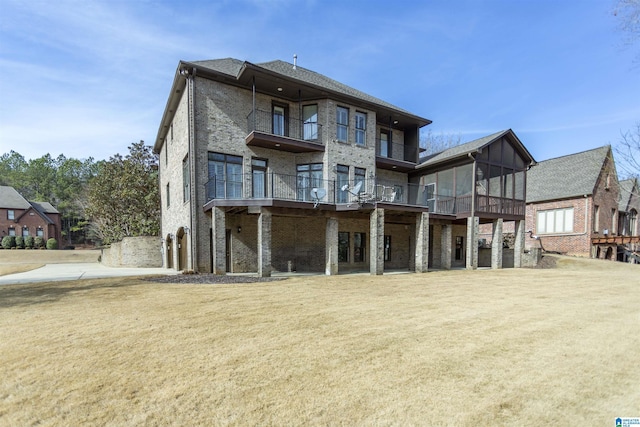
(627, 12)
(433, 144)
(628, 153)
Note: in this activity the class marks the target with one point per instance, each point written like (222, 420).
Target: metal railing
(267, 122)
(307, 188)
(395, 151)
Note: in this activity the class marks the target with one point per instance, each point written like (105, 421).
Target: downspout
(193, 232)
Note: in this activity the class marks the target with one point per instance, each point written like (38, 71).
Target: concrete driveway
(76, 271)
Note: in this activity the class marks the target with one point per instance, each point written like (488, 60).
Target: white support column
(264, 243)
(518, 249)
(422, 242)
(445, 245)
(376, 231)
(473, 224)
(218, 226)
(496, 244)
(331, 247)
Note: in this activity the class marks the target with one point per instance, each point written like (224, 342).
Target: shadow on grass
(47, 292)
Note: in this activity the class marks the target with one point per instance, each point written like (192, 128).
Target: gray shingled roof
(564, 177)
(234, 67)
(462, 149)
(626, 189)
(11, 199)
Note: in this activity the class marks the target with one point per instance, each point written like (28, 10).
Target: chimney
(295, 60)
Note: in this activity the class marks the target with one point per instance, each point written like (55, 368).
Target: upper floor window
(361, 128)
(342, 121)
(259, 178)
(308, 176)
(168, 195)
(342, 179)
(11, 214)
(280, 120)
(555, 221)
(186, 180)
(384, 150)
(225, 176)
(310, 122)
(359, 175)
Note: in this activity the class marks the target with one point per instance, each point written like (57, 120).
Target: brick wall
(143, 251)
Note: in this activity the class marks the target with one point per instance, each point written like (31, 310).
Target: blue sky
(88, 78)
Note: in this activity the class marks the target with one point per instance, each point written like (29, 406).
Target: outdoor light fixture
(239, 229)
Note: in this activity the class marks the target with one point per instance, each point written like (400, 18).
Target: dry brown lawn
(485, 348)
(20, 260)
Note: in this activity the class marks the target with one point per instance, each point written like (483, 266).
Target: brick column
(331, 247)
(445, 246)
(422, 242)
(218, 225)
(472, 242)
(496, 244)
(376, 230)
(264, 243)
(518, 248)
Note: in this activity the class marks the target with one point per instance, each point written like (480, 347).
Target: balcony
(283, 133)
(248, 189)
(395, 156)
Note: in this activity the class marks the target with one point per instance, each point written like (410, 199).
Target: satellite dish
(317, 194)
(357, 188)
(345, 187)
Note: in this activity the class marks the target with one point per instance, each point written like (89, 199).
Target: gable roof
(11, 199)
(267, 76)
(628, 188)
(574, 175)
(473, 147)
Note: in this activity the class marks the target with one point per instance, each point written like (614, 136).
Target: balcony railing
(307, 188)
(276, 125)
(395, 151)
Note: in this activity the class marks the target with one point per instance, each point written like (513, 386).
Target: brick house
(273, 167)
(19, 217)
(572, 204)
(628, 226)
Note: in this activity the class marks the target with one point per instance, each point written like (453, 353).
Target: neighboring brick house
(572, 201)
(628, 225)
(19, 217)
(273, 167)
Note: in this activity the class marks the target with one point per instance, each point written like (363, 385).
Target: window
(342, 180)
(40, 232)
(614, 224)
(12, 231)
(225, 176)
(555, 221)
(361, 129)
(385, 144)
(258, 178)
(343, 246)
(280, 120)
(596, 218)
(186, 179)
(342, 120)
(308, 176)
(359, 241)
(459, 247)
(430, 196)
(25, 231)
(310, 122)
(359, 175)
(168, 195)
(11, 214)
(387, 248)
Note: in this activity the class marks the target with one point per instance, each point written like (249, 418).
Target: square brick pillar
(218, 225)
(376, 231)
(518, 249)
(445, 246)
(422, 242)
(496, 244)
(473, 224)
(331, 247)
(264, 243)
